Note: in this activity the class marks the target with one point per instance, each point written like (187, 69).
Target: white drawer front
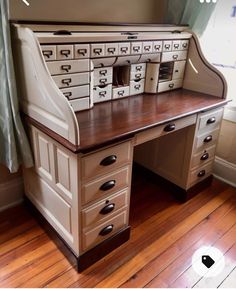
(102, 72)
(104, 231)
(206, 140)
(173, 56)
(76, 92)
(101, 62)
(71, 79)
(157, 46)
(65, 52)
(184, 44)
(82, 51)
(104, 209)
(97, 50)
(126, 60)
(136, 47)
(124, 48)
(49, 52)
(169, 85)
(138, 67)
(200, 173)
(104, 80)
(147, 47)
(111, 49)
(137, 75)
(167, 45)
(120, 92)
(80, 104)
(176, 45)
(68, 66)
(178, 70)
(210, 120)
(203, 157)
(137, 87)
(102, 93)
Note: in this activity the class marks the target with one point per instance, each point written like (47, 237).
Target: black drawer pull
(169, 127)
(65, 52)
(66, 67)
(103, 72)
(121, 92)
(137, 86)
(107, 185)
(82, 51)
(107, 209)
(205, 156)
(111, 50)
(97, 51)
(185, 45)
(167, 46)
(211, 120)
(102, 93)
(201, 173)
(176, 45)
(108, 160)
(103, 80)
(138, 75)
(108, 229)
(67, 94)
(208, 138)
(136, 48)
(47, 53)
(124, 49)
(66, 81)
(147, 48)
(138, 68)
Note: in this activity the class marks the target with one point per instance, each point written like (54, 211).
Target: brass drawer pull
(66, 67)
(105, 231)
(47, 53)
(82, 51)
(211, 120)
(208, 138)
(107, 185)
(169, 127)
(201, 173)
(108, 160)
(205, 156)
(66, 53)
(67, 94)
(107, 209)
(66, 81)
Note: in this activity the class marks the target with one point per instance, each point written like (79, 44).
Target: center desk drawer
(163, 129)
(105, 208)
(106, 185)
(105, 160)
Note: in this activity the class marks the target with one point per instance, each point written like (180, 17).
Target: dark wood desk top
(116, 120)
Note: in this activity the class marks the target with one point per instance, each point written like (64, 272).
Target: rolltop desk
(95, 98)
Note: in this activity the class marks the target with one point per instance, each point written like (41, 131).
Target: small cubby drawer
(138, 67)
(200, 173)
(203, 156)
(147, 47)
(104, 230)
(111, 49)
(157, 46)
(167, 45)
(176, 45)
(80, 103)
(119, 92)
(178, 70)
(105, 208)
(65, 52)
(71, 79)
(136, 86)
(210, 120)
(100, 187)
(102, 93)
(81, 51)
(169, 85)
(68, 66)
(97, 50)
(206, 140)
(105, 160)
(49, 52)
(184, 44)
(137, 75)
(136, 47)
(103, 80)
(124, 48)
(76, 92)
(174, 56)
(102, 72)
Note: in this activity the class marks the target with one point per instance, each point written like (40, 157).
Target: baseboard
(225, 171)
(11, 193)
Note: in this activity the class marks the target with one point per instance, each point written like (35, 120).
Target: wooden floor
(164, 236)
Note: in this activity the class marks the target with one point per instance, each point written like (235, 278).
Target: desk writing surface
(114, 120)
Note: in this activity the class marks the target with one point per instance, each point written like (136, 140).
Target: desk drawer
(136, 47)
(121, 91)
(104, 62)
(105, 208)
(68, 66)
(49, 52)
(210, 120)
(137, 68)
(97, 50)
(106, 160)
(200, 173)
(65, 52)
(106, 185)
(157, 46)
(76, 92)
(206, 140)
(159, 131)
(124, 48)
(104, 231)
(167, 45)
(82, 51)
(136, 86)
(174, 56)
(111, 49)
(71, 79)
(178, 70)
(103, 80)
(170, 85)
(102, 93)
(137, 75)
(80, 103)
(203, 157)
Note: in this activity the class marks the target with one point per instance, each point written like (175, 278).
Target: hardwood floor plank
(152, 269)
(230, 281)
(148, 254)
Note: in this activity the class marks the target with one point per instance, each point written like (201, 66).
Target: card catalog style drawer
(167, 46)
(178, 70)
(104, 231)
(136, 87)
(200, 173)
(71, 79)
(119, 92)
(137, 75)
(203, 157)
(136, 47)
(152, 57)
(176, 45)
(173, 56)
(210, 120)
(157, 46)
(138, 67)
(105, 185)
(49, 52)
(97, 50)
(126, 60)
(147, 47)
(65, 52)
(169, 85)
(105, 208)
(102, 72)
(80, 103)
(106, 160)
(124, 48)
(184, 44)
(81, 51)
(76, 92)
(103, 62)
(206, 140)
(111, 49)
(103, 80)
(102, 93)
(68, 66)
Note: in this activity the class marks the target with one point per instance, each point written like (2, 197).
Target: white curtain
(14, 146)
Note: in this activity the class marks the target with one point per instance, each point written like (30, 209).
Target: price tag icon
(207, 261)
